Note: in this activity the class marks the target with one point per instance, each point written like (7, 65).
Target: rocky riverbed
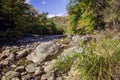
(31, 58)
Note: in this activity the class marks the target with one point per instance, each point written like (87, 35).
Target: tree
(14, 15)
(81, 16)
(89, 15)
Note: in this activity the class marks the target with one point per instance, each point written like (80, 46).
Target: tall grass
(100, 60)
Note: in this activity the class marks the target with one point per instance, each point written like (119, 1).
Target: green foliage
(44, 25)
(61, 23)
(99, 61)
(81, 20)
(85, 16)
(18, 18)
(111, 14)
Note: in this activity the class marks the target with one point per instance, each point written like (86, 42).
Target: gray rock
(30, 68)
(22, 53)
(11, 57)
(37, 71)
(86, 38)
(44, 52)
(10, 75)
(48, 68)
(38, 77)
(24, 73)
(4, 54)
(76, 38)
(70, 51)
(75, 41)
(44, 77)
(4, 63)
(69, 36)
(59, 78)
(13, 66)
(20, 69)
(15, 78)
(47, 77)
(26, 77)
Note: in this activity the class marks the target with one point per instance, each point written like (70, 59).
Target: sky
(53, 7)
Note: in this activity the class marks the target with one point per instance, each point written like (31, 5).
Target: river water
(34, 38)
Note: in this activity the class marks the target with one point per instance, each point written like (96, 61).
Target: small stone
(37, 70)
(15, 78)
(87, 38)
(23, 53)
(3, 78)
(23, 73)
(48, 68)
(69, 36)
(4, 54)
(4, 63)
(7, 48)
(20, 69)
(30, 68)
(11, 57)
(59, 78)
(10, 74)
(13, 66)
(38, 77)
(26, 77)
(44, 77)
(76, 38)
(51, 78)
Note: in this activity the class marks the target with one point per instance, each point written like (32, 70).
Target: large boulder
(44, 52)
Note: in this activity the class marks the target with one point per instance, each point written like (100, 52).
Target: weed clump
(99, 60)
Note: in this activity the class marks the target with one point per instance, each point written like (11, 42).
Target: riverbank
(55, 57)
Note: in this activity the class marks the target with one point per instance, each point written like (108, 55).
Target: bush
(99, 61)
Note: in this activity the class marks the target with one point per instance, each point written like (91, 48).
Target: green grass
(100, 60)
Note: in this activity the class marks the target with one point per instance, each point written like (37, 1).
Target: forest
(18, 18)
(84, 16)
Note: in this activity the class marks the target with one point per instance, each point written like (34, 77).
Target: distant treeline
(18, 18)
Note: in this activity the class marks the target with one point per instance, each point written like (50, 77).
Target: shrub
(99, 61)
